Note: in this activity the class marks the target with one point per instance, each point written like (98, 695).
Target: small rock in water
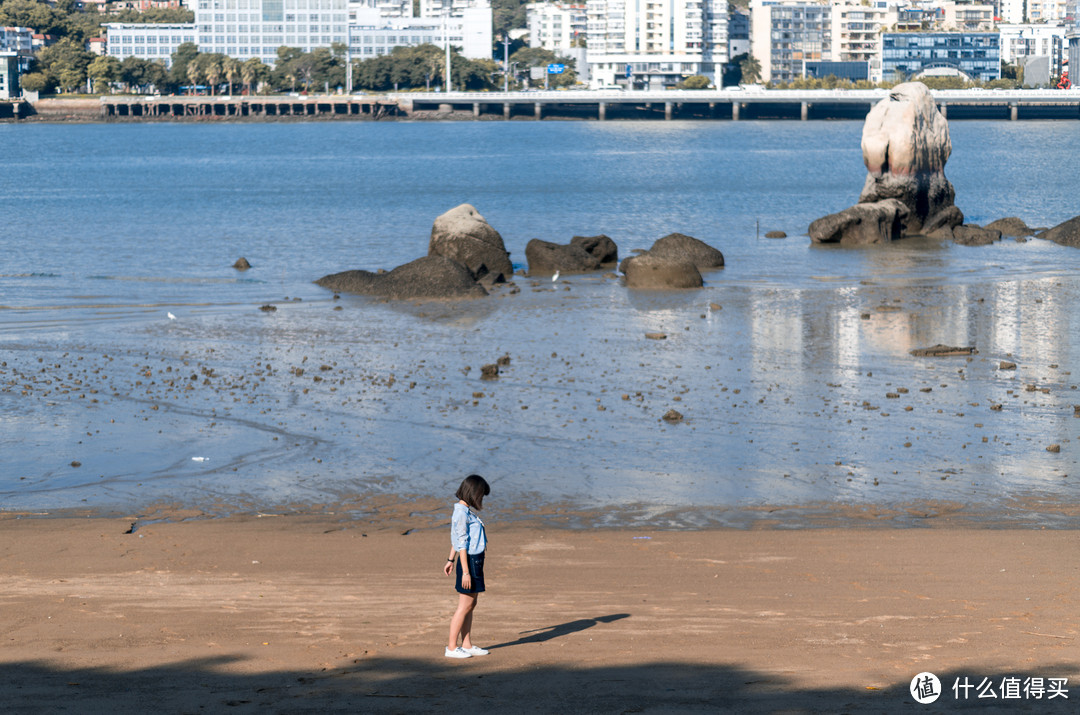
(1055, 448)
(489, 372)
(775, 234)
(673, 416)
(656, 336)
(268, 308)
(76, 464)
(943, 351)
(1006, 365)
(241, 264)
(503, 361)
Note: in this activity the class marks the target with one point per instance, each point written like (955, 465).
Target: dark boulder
(876, 222)
(463, 235)
(241, 264)
(775, 234)
(1067, 233)
(601, 247)
(1012, 226)
(972, 235)
(427, 278)
(680, 247)
(545, 258)
(658, 273)
(941, 224)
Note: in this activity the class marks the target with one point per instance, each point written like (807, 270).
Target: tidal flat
(801, 402)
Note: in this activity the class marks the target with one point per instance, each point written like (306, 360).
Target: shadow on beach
(434, 685)
(540, 635)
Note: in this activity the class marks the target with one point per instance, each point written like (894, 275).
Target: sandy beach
(292, 613)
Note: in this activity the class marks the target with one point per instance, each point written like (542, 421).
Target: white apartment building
(372, 35)
(555, 26)
(1021, 42)
(147, 41)
(240, 29)
(17, 39)
(256, 28)
(385, 8)
(653, 43)
(1050, 11)
(453, 8)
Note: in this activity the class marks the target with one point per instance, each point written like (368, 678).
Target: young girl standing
(468, 543)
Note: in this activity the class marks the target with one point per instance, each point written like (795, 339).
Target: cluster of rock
(466, 257)
(465, 254)
(905, 145)
(674, 261)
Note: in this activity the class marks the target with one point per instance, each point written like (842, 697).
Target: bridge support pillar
(538, 110)
(1014, 111)
(667, 110)
(446, 108)
(944, 109)
(602, 112)
(804, 110)
(506, 110)
(476, 109)
(734, 111)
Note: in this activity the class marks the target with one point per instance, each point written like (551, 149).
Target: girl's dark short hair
(473, 490)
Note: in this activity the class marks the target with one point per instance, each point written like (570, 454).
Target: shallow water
(783, 388)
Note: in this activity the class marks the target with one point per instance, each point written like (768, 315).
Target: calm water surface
(785, 387)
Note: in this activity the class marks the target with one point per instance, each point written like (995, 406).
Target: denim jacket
(467, 531)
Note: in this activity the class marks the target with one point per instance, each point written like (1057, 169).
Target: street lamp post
(506, 62)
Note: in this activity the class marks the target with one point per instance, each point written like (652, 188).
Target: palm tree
(751, 69)
(194, 74)
(213, 74)
(231, 67)
(250, 71)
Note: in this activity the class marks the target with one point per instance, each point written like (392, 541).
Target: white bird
(555, 277)
(171, 316)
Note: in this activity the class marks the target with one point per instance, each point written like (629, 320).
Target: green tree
(103, 71)
(252, 72)
(194, 74)
(36, 82)
(695, 81)
(31, 13)
(539, 57)
(185, 54)
(230, 67)
(212, 71)
(751, 70)
(65, 62)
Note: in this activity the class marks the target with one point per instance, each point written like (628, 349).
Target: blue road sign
(556, 69)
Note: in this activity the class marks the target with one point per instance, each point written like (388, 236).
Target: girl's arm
(466, 577)
(450, 562)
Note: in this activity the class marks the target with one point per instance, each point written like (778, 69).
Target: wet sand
(319, 614)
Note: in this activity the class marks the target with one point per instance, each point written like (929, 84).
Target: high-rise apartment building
(856, 33)
(556, 26)
(385, 8)
(450, 8)
(785, 35)
(654, 43)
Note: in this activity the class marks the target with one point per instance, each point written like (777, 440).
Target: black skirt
(476, 568)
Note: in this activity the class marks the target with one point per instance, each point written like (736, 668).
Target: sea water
(791, 368)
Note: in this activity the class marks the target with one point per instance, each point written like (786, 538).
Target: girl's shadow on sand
(549, 632)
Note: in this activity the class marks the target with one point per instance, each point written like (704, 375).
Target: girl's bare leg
(461, 622)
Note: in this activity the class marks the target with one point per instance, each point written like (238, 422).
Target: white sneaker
(474, 650)
(459, 653)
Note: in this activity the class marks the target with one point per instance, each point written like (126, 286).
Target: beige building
(856, 32)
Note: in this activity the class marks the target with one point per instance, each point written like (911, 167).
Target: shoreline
(307, 614)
